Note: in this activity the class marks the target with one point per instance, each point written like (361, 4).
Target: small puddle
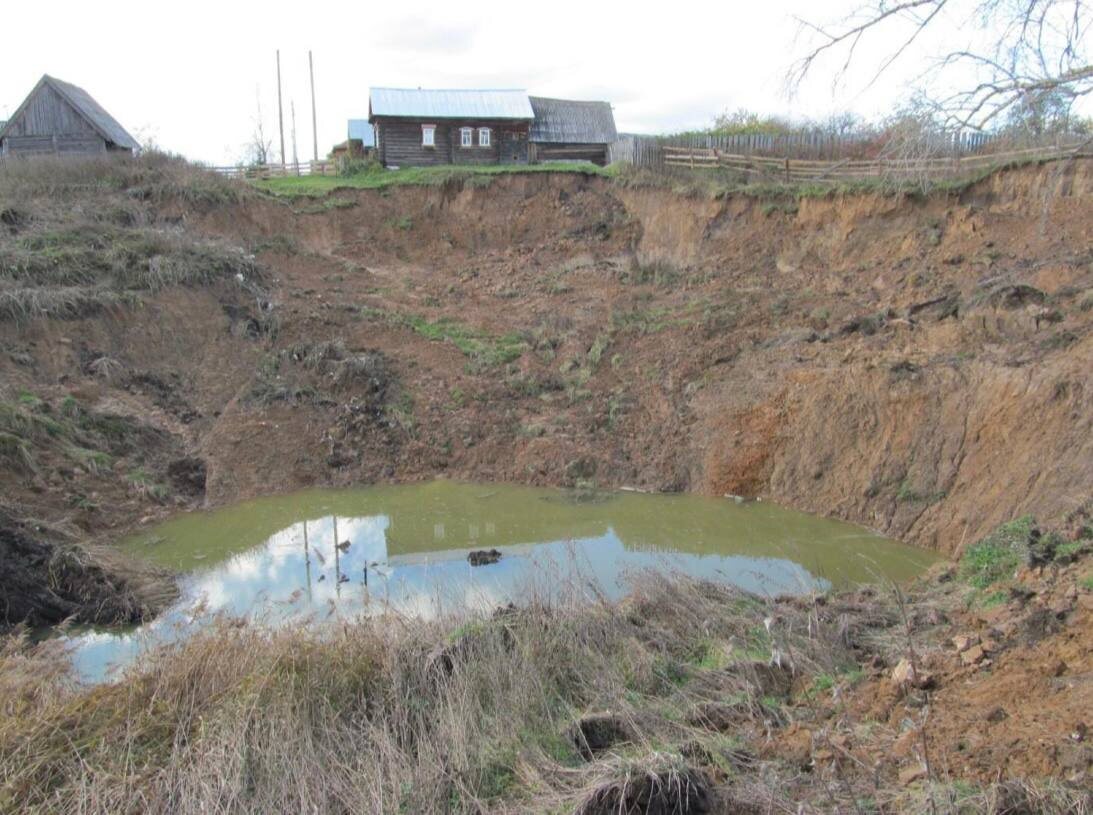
(323, 554)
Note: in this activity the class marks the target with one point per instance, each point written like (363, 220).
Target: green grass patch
(998, 555)
(994, 599)
(32, 427)
(476, 344)
(401, 412)
(1068, 548)
(709, 655)
(484, 350)
(144, 485)
(379, 178)
(94, 461)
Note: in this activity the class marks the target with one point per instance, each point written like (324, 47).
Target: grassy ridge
(81, 235)
(378, 178)
(710, 183)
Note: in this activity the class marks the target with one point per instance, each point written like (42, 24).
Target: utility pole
(280, 109)
(314, 124)
(295, 155)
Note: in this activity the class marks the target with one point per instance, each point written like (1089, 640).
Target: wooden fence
(759, 168)
(817, 144)
(278, 170)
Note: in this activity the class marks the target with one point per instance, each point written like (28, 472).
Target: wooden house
(571, 130)
(417, 128)
(60, 118)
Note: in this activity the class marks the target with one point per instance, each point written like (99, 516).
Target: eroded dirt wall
(919, 365)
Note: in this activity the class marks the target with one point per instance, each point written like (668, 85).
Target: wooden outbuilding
(416, 127)
(58, 117)
(571, 130)
(360, 141)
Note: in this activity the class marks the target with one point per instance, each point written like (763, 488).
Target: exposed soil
(917, 365)
(913, 365)
(995, 693)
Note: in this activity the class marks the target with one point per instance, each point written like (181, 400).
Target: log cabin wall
(399, 142)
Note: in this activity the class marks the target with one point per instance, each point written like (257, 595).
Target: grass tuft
(997, 556)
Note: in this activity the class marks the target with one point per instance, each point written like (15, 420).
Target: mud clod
(596, 732)
(47, 581)
(684, 792)
(188, 476)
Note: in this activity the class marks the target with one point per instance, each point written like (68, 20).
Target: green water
(405, 548)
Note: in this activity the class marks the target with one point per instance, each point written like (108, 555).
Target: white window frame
(484, 137)
(428, 135)
(466, 137)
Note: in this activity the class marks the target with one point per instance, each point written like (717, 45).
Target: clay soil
(916, 365)
(919, 365)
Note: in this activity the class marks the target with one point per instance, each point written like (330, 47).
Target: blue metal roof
(450, 104)
(362, 129)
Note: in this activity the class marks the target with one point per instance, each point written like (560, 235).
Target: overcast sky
(188, 76)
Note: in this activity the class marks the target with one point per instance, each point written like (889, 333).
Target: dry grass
(152, 176)
(471, 713)
(80, 235)
(395, 715)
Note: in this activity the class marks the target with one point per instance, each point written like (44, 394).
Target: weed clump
(105, 246)
(997, 556)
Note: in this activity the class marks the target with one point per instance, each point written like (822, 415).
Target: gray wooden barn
(571, 130)
(58, 117)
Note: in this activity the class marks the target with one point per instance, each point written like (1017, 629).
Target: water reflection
(413, 558)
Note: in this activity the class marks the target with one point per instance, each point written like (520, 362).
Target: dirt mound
(683, 792)
(47, 580)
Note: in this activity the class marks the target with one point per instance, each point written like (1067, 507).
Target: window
(466, 137)
(483, 137)
(428, 135)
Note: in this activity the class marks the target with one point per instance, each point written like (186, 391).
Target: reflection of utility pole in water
(366, 597)
(337, 561)
(307, 563)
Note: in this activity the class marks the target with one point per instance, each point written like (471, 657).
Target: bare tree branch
(1037, 55)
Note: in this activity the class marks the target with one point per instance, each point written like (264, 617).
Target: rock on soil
(596, 732)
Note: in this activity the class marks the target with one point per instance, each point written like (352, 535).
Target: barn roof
(105, 124)
(362, 129)
(569, 120)
(449, 104)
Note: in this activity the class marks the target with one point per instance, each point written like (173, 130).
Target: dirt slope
(919, 365)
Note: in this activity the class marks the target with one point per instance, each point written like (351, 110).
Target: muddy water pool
(322, 554)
